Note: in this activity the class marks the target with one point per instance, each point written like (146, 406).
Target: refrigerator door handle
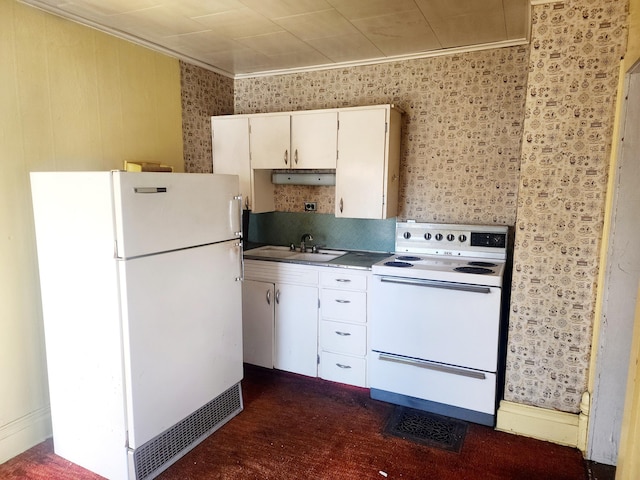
(238, 232)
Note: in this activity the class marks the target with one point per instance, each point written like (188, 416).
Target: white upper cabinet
(231, 155)
(367, 173)
(270, 140)
(314, 139)
(306, 139)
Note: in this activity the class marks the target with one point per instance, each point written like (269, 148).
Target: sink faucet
(305, 237)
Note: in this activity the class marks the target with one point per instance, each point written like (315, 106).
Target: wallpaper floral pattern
(575, 51)
(518, 136)
(461, 131)
(204, 94)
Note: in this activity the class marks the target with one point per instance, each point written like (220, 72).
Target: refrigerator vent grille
(158, 454)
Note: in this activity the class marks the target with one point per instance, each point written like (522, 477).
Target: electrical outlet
(309, 206)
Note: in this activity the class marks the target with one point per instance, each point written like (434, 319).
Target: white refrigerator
(140, 277)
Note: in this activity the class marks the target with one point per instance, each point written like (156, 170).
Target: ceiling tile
(285, 8)
(516, 13)
(357, 9)
(327, 23)
(272, 44)
(241, 22)
(346, 48)
(155, 22)
(198, 8)
(399, 34)
(465, 22)
(104, 8)
(202, 42)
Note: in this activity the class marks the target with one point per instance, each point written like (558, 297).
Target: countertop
(351, 259)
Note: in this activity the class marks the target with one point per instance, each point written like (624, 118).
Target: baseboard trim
(541, 423)
(25, 432)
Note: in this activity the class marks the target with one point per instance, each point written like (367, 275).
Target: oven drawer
(463, 388)
(444, 322)
(343, 338)
(343, 305)
(343, 369)
(340, 279)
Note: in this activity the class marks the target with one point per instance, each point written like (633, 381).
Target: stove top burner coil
(476, 270)
(408, 258)
(398, 264)
(482, 264)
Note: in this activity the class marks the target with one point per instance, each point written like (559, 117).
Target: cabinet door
(296, 334)
(258, 322)
(361, 163)
(269, 140)
(230, 142)
(314, 139)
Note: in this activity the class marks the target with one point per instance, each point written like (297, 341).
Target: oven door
(449, 323)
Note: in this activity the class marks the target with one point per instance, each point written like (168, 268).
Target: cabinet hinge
(318, 303)
(386, 127)
(318, 357)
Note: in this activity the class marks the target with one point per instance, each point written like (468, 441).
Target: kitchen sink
(321, 256)
(271, 251)
(284, 253)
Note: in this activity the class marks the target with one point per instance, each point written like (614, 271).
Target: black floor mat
(427, 428)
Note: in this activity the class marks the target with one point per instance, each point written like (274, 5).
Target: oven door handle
(432, 366)
(436, 284)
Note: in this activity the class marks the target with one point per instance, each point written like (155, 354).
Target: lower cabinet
(343, 326)
(295, 316)
(280, 316)
(258, 317)
(296, 329)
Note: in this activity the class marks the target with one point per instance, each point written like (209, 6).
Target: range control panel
(488, 241)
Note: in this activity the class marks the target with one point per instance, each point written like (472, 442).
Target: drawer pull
(340, 365)
(343, 280)
(343, 334)
(342, 301)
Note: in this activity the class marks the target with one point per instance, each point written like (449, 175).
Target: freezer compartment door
(159, 212)
(182, 330)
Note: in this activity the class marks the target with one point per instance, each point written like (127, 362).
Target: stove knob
(451, 237)
(407, 235)
(462, 238)
(438, 236)
(427, 236)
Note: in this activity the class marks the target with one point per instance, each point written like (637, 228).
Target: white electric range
(436, 319)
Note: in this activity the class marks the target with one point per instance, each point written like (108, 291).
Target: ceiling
(241, 38)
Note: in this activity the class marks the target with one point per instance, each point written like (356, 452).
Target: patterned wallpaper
(204, 94)
(576, 48)
(462, 162)
(461, 132)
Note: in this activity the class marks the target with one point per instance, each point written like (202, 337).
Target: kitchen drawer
(343, 305)
(340, 279)
(343, 338)
(343, 369)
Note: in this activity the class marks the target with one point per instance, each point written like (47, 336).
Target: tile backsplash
(284, 228)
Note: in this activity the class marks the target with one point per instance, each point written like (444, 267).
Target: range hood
(303, 178)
